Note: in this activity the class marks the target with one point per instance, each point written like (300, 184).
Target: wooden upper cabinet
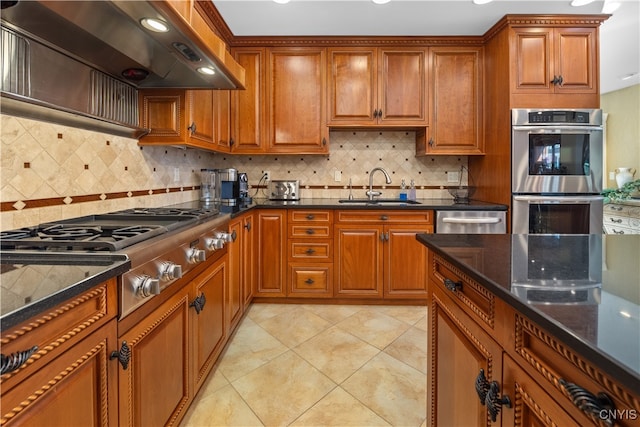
(222, 120)
(297, 101)
(374, 86)
(200, 125)
(555, 60)
(456, 102)
(248, 124)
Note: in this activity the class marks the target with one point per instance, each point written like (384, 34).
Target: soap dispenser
(403, 190)
(412, 190)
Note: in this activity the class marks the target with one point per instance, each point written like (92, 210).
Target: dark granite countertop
(583, 289)
(33, 282)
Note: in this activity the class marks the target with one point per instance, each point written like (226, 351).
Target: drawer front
(479, 303)
(307, 251)
(385, 216)
(57, 330)
(310, 281)
(622, 210)
(551, 363)
(310, 216)
(310, 230)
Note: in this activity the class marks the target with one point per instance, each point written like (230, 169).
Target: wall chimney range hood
(82, 62)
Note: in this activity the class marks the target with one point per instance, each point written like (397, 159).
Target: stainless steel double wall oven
(557, 170)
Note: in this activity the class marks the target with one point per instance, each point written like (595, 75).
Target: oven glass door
(557, 214)
(557, 159)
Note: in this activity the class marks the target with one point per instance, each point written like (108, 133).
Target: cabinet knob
(560, 81)
(309, 281)
(375, 114)
(324, 141)
(431, 142)
(247, 226)
(383, 217)
(453, 286)
(123, 355)
(231, 142)
(310, 217)
(310, 251)
(14, 361)
(192, 127)
(198, 303)
(310, 231)
(599, 408)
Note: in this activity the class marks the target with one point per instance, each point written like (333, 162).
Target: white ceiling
(619, 35)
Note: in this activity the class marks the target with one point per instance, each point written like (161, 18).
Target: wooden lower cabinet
(234, 303)
(248, 238)
(358, 260)
(405, 262)
(271, 252)
(458, 350)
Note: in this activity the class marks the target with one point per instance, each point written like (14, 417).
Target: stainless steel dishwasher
(471, 222)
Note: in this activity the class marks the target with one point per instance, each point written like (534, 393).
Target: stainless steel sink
(378, 202)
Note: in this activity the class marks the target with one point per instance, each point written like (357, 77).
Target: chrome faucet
(371, 194)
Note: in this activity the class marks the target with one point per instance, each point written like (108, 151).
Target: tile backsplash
(51, 172)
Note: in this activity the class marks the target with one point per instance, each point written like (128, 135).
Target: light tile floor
(319, 365)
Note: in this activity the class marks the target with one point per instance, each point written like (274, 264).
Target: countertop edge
(618, 371)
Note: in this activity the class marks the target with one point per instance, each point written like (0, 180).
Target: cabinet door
(358, 261)
(531, 405)
(154, 390)
(248, 120)
(576, 60)
(533, 54)
(210, 324)
(405, 262)
(234, 299)
(402, 87)
(352, 80)
(297, 101)
(163, 112)
(78, 388)
(456, 101)
(248, 258)
(272, 253)
(200, 127)
(458, 350)
(222, 119)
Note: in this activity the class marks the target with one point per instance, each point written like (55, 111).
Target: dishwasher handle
(472, 220)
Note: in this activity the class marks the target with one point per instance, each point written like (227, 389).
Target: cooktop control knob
(214, 244)
(146, 286)
(195, 255)
(170, 271)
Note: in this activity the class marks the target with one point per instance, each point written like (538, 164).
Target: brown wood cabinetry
(378, 86)
(249, 269)
(242, 269)
(310, 254)
(455, 95)
(248, 120)
(376, 254)
(193, 118)
(472, 330)
(271, 252)
(297, 101)
(71, 364)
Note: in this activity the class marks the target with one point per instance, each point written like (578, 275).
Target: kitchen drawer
(310, 251)
(622, 210)
(385, 216)
(310, 230)
(550, 362)
(619, 229)
(310, 216)
(57, 330)
(310, 280)
(478, 302)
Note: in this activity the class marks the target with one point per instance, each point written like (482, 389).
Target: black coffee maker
(227, 187)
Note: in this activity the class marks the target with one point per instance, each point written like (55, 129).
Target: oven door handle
(558, 199)
(472, 220)
(555, 129)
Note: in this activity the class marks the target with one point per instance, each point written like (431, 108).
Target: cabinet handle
(231, 142)
(599, 408)
(384, 217)
(453, 286)
(123, 355)
(198, 303)
(616, 208)
(310, 231)
(560, 81)
(14, 361)
(554, 81)
(309, 281)
(192, 127)
(247, 226)
(619, 221)
(375, 114)
(324, 141)
(493, 402)
(617, 232)
(482, 386)
(431, 142)
(380, 113)
(234, 236)
(310, 251)
(310, 217)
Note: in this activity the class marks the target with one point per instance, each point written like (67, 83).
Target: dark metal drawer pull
(384, 217)
(482, 386)
(248, 226)
(310, 251)
(14, 361)
(310, 231)
(619, 221)
(309, 281)
(599, 408)
(198, 303)
(123, 355)
(493, 402)
(310, 217)
(453, 286)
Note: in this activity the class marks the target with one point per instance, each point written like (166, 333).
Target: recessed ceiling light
(207, 70)
(577, 3)
(281, 1)
(154, 25)
(482, 1)
(380, 1)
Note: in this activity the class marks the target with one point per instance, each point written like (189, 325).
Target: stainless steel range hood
(81, 63)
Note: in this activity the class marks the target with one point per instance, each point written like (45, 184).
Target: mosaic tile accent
(45, 161)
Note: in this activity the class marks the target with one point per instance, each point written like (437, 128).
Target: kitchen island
(544, 317)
